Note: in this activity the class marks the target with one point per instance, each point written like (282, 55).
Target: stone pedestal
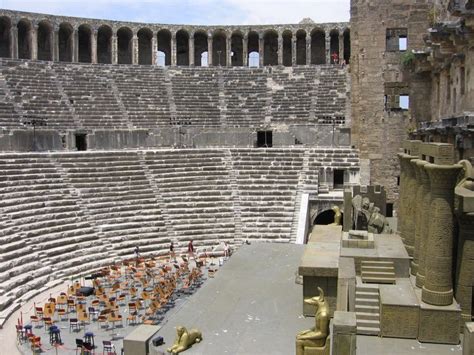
(419, 211)
(438, 287)
(468, 342)
(425, 223)
(138, 341)
(439, 324)
(344, 331)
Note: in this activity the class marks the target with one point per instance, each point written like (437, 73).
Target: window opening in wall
(204, 59)
(161, 59)
(338, 179)
(389, 210)
(404, 102)
(396, 39)
(254, 59)
(398, 180)
(264, 139)
(81, 141)
(402, 43)
(462, 74)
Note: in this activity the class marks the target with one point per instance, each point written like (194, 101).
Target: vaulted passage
(219, 52)
(287, 49)
(85, 44)
(145, 50)
(104, 45)
(318, 47)
(334, 47)
(24, 39)
(270, 55)
(253, 49)
(124, 45)
(237, 50)
(65, 38)
(200, 47)
(45, 41)
(301, 47)
(182, 48)
(347, 45)
(5, 37)
(164, 45)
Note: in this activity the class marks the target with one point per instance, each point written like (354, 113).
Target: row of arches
(85, 44)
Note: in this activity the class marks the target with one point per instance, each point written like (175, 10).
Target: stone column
(135, 49)
(56, 44)
(245, 51)
(328, 47)
(75, 46)
(261, 49)
(308, 50)
(14, 44)
(114, 49)
(438, 287)
(280, 49)
(209, 50)
(191, 50)
(465, 268)
(34, 43)
(154, 49)
(228, 49)
(407, 199)
(94, 46)
(173, 50)
(341, 47)
(425, 223)
(419, 211)
(293, 49)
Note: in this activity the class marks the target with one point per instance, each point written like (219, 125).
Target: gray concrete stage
(252, 306)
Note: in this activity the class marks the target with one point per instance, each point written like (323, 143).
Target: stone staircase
(367, 307)
(235, 198)
(379, 272)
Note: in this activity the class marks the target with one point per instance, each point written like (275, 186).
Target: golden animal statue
(184, 339)
(315, 340)
(337, 216)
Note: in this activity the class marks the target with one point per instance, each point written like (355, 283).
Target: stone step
(379, 279)
(367, 288)
(366, 323)
(367, 301)
(376, 273)
(368, 331)
(376, 263)
(367, 309)
(367, 295)
(365, 268)
(368, 316)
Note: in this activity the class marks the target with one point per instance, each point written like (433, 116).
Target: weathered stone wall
(377, 130)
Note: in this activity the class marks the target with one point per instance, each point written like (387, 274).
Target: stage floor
(252, 306)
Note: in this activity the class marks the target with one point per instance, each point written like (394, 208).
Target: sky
(192, 12)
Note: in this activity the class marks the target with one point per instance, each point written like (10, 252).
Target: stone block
(468, 340)
(344, 329)
(138, 341)
(439, 324)
(412, 147)
(437, 153)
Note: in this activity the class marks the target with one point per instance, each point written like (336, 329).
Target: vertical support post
(173, 50)
(114, 49)
(154, 49)
(209, 50)
(75, 46)
(308, 50)
(14, 42)
(94, 46)
(261, 49)
(135, 49)
(328, 47)
(280, 49)
(191, 50)
(293, 49)
(245, 51)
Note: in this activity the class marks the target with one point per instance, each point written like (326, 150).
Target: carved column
(261, 49)
(114, 49)
(75, 46)
(280, 49)
(94, 46)
(135, 49)
(465, 268)
(408, 188)
(173, 50)
(308, 50)
(55, 44)
(425, 223)
(328, 47)
(14, 44)
(341, 47)
(154, 49)
(418, 204)
(209, 50)
(191, 50)
(293, 49)
(245, 51)
(438, 287)
(228, 50)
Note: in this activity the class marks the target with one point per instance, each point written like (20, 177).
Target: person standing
(172, 253)
(191, 249)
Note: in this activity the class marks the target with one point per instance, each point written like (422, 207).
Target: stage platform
(252, 306)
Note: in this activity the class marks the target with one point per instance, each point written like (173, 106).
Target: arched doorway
(219, 49)
(24, 39)
(334, 47)
(301, 47)
(200, 47)
(145, 50)
(182, 48)
(5, 37)
(65, 38)
(85, 44)
(318, 47)
(270, 48)
(287, 49)
(45, 41)
(324, 218)
(347, 46)
(237, 49)
(124, 45)
(164, 45)
(104, 45)
(253, 50)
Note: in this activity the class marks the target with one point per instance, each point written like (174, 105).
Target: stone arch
(334, 46)
(324, 218)
(237, 49)
(145, 50)
(65, 39)
(5, 37)
(164, 44)
(318, 46)
(45, 40)
(301, 47)
(124, 45)
(270, 48)
(253, 47)
(219, 48)
(84, 34)
(104, 44)
(287, 48)
(25, 39)
(200, 47)
(182, 47)
(347, 45)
